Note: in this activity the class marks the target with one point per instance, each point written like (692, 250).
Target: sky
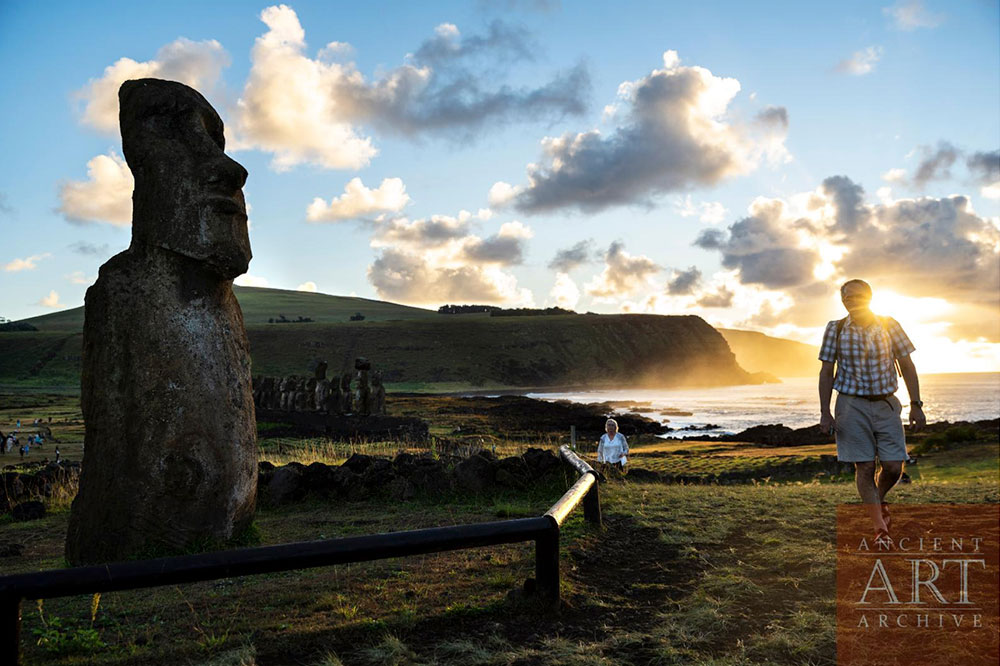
(733, 160)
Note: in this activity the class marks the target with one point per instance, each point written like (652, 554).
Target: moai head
(321, 370)
(377, 378)
(361, 363)
(188, 195)
(345, 381)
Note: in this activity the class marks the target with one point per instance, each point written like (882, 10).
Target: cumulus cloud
(573, 257)
(307, 286)
(413, 278)
(861, 62)
(909, 15)
(984, 166)
(709, 212)
(307, 110)
(936, 164)
(565, 293)
(439, 259)
(247, 280)
(26, 264)
(684, 282)
(721, 298)
(921, 248)
(675, 135)
(88, 249)
(421, 233)
(894, 176)
(197, 64)
(623, 274)
(51, 301)
(106, 195)
(359, 202)
(504, 248)
(761, 249)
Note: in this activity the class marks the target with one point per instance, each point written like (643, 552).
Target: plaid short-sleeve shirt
(865, 356)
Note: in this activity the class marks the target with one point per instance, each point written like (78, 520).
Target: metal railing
(543, 530)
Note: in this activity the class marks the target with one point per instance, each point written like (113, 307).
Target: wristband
(917, 403)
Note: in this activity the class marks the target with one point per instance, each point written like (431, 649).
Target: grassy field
(682, 574)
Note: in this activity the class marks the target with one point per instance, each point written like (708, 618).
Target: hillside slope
(756, 352)
(421, 347)
(621, 350)
(259, 305)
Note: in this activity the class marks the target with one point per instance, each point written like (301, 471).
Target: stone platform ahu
(170, 454)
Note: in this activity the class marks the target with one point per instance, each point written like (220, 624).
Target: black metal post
(547, 564)
(10, 630)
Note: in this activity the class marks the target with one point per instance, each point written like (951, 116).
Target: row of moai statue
(319, 394)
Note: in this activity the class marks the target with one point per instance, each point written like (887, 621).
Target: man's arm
(826, 421)
(917, 418)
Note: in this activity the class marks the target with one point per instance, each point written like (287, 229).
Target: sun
(926, 322)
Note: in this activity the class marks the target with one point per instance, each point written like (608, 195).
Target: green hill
(757, 352)
(259, 305)
(420, 348)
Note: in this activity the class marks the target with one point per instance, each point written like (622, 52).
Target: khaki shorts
(867, 429)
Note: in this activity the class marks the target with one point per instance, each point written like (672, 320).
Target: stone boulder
(25, 511)
(318, 479)
(476, 474)
(286, 485)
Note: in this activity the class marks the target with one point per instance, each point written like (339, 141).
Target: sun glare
(926, 321)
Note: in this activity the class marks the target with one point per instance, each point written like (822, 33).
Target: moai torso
(170, 442)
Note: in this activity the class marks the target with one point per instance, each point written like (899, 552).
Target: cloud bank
(308, 110)
(358, 202)
(675, 135)
(623, 275)
(197, 64)
(921, 248)
(437, 260)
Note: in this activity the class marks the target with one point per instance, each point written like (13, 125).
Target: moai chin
(170, 443)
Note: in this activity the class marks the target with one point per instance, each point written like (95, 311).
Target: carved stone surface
(170, 442)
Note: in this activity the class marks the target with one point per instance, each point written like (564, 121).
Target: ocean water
(794, 402)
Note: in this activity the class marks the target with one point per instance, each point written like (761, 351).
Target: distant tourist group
(11, 440)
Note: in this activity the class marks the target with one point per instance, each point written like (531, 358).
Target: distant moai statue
(285, 394)
(299, 394)
(347, 403)
(378, 393)
(363, 396)
(170, 434)
(321, 396)
(321, 370)
(311, 394)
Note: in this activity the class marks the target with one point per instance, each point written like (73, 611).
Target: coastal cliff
(591, 350)
(415, 348)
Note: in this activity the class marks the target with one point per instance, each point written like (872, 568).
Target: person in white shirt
(613, 448)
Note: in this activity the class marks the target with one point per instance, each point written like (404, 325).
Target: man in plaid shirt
(866, 350)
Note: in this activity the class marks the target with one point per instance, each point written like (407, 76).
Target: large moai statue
(170, 442)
